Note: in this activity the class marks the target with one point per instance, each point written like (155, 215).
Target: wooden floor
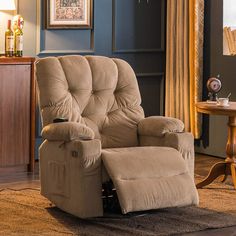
(202, 166)
(21, 180)
(203, 163)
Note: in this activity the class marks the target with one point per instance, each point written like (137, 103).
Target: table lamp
(6, 5)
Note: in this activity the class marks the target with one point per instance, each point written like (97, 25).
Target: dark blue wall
(216, 63)
(130, 29)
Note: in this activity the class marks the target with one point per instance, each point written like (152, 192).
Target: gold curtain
(184, 58)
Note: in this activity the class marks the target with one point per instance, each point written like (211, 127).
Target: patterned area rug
(26, 212)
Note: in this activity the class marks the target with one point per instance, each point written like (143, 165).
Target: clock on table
(213, 86)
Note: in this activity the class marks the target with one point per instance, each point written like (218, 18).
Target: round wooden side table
(226, 167)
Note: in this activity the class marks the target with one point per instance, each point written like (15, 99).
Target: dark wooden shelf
(16, 60)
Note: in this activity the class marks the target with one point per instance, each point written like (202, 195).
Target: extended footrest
(149, 178)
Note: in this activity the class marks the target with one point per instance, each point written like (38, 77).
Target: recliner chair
(149, 160)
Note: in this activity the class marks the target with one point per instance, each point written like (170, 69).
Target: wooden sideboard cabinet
(17, 114)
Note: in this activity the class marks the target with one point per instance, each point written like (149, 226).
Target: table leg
(228, 166)
(233, 173)
(217, 170)
(224, 177)
(231, 142)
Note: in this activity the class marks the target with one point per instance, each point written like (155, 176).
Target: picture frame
(68, 14)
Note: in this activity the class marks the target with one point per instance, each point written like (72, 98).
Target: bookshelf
(229, 40)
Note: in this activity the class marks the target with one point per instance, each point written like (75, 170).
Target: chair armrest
(179, 141)
(67, 131)
(157, 126)
(184, 143)
(167, 132)
(88, 151)
(70, 174)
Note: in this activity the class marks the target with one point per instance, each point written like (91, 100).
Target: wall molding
(150, 74)
(138, 50)
(161, 76)
(40, 52)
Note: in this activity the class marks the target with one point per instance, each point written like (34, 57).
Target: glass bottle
(9, 41)
(18, 40)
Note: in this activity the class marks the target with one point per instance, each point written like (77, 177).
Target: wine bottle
(18, 40)
(9, 41)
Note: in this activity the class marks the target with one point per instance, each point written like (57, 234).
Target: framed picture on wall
(68, 14)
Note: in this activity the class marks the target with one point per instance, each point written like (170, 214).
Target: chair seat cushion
(149, 178)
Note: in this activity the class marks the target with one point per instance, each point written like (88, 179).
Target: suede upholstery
(157, 126)
(70, 175)
(100, 98)
(140, 186)
(67, 131)
(104, 100)
(168, 132)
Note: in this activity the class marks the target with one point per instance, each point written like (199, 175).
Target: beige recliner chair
(149, 160)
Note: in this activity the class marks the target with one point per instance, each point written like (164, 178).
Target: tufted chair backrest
(97, 91)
